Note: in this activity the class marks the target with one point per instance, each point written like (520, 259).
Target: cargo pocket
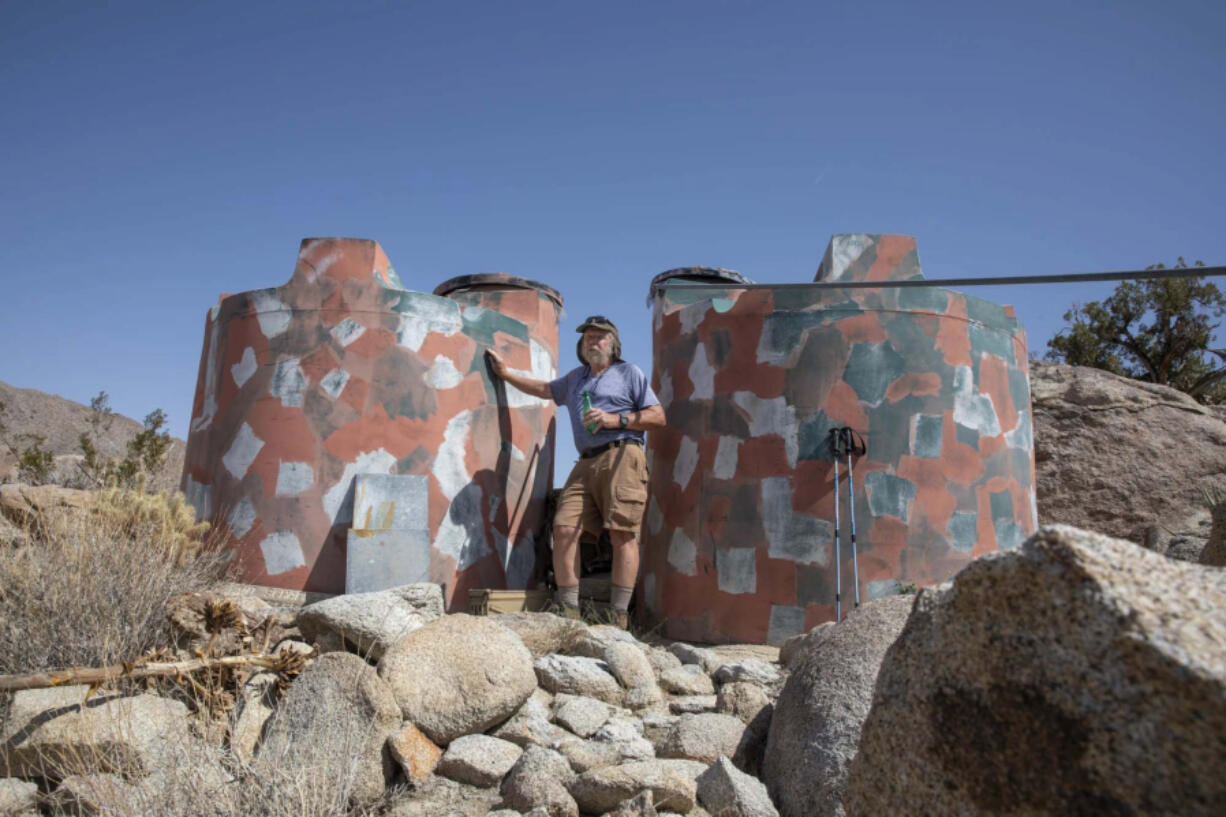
(629, 499)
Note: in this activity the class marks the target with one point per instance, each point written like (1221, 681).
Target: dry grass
(86, 591)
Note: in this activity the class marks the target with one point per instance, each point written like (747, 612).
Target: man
(607, 488)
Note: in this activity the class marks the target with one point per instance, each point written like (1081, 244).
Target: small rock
(625, 733)
(689, 679)
(629, 665)
(741, 699)
(751, 670)
(542, 633)
(577, 675)
(18, 798)
(657, 726)
(459, 675)
(671, 783)
(752, 749)
(530, 723)
(643, 697)
(689, 654)
(703, 737)
(252, 710)
(581, 714)
(478, 760)
(638, 806)
(585, 755)
(295, 646)
(661, 659)
(415, 753)
(539, 780)
(726, 791)
(691, 704)
(440, 797)
(591, 642)
(372, 622)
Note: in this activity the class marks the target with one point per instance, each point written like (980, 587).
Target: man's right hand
(496, 363)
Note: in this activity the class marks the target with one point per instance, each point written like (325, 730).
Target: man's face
(597, 345)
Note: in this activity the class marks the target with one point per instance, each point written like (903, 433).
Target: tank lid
(496, 279)
(706, 275)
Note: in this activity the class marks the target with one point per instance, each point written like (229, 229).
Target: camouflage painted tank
(343, 390)
(739, 528)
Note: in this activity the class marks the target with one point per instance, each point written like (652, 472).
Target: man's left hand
(601, 418)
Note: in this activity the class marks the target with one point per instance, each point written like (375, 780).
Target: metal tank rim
(502, 279)
(696, 275)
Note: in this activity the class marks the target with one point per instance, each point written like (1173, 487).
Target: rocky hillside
(62, 421)
(1127, 458)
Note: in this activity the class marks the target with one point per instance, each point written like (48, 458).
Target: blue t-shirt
(620, 389)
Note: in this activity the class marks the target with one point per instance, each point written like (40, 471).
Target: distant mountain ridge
(62, 421)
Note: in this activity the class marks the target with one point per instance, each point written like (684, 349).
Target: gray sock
(568, 596)
(621, 597)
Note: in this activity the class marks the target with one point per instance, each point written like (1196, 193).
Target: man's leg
(566, 563)
(625, 568)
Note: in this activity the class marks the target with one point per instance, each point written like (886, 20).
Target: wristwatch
(623, 420)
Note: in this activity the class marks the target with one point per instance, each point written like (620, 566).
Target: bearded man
(611, 405)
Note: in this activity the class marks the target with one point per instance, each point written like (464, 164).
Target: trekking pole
(835, 451)
(851, 447)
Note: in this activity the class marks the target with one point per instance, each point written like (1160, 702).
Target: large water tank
(342, 385)
(738, 538)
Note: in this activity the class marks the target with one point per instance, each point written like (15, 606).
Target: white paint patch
(665, 392)
(282, 552)
(971, 409)
(702, 375)
(768, 417)
(443, 374)
(449, 468)
(241, 518)
(209, 408)
(655, 519)
(246, 366)
(288, 382)
(1034, 509)
(314, 271)
(737, 570)
(242, 452)
(791, 535)
(461, 534)
(294, 478)
(274, 316)
(845, 251)
(334, 382)
(686, 462)
(1021, 436)
(200, 497)
(422, 314)
(726, 457)
(516, 454)
(543, 368)
(347, 331)
(337, 509)
(692, 315)
(682, 554)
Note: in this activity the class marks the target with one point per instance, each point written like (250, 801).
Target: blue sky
(158, 154)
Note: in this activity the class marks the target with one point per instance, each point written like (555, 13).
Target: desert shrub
(86, 589)
(165, 518)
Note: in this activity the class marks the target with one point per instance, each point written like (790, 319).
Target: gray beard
(595, 357)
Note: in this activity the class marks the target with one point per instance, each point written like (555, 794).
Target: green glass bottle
(587, 406)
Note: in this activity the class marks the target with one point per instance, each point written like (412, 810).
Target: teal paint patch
(1001, 503)
(813, 437)
(813, 585)
(888, 494)
(966, 435)
(963, 530)
(889, 429)
(685, 297)
(781, 334)
(924, 299)
(722, 305)
(1019, 387)
(871, 368)
(990, 341)
(481, 324)
(883, 588)
(393, 279)
(1008, 534)
(990, 314)
(926, 436)
(785, 622)
(907, 334)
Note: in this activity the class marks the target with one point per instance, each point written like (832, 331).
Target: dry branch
(100, 675)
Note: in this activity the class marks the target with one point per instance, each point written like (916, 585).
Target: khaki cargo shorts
(605, 491)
